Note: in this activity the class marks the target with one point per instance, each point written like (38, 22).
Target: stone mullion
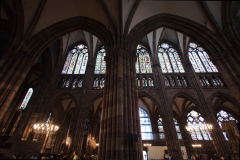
(15, 86)
(119, 111)
(125, 102)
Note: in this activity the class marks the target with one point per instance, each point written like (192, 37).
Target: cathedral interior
(120, 79)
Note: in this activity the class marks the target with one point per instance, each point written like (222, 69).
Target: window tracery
(223, 116)
(145, 122)
(166, 52)
(100, 66)
(196, 121)
(26, 99)
(76, 61)
(143, 64)
(202, 64)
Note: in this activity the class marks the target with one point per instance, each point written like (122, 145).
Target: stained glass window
(150, 82)
(145, 122)
(179, 82)
(206, 81)
(172, 81)
(95, 83)
(100, 66)
(203, 63)
(166, 81)
(143, 61)
(184, 81)
(138, 82)
(144, 82)
(76, 61)
(102, 81)
(217, 82)
(220, 81)
(160, 128)
(199, 129)
(26, 99)
(223, 116)
(80, 83)
(63, 83)
(177, 128)
(201, 81)
(74, 84)
(166, 52)
(67, 83)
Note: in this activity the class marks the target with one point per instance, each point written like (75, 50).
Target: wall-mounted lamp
(97, 144)
(147, 144)
(196, 145)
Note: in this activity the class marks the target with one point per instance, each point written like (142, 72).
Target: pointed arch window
(206, 81)
(200, 59)
(172, 81)
(80, 83)
(160, 128)
(150, 82)
(95, 83)
(100, 67)
(201, 81)
(138, 82)
(26, 99)
(184, 81)
(102, 81)
(166, 82)
(167, 54)
(75, 83)
(145, 122)
(179, 82)
(143, 64)
(223, 116)
(177, 128)
(76, 61)
(144, 82)
(196, 121)
(67, 83)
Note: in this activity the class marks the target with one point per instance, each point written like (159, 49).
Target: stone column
(207, 112)
(229, 70)
(14, 84)
(81, 112)
(120, 113)
(165, 111)
(232, 132)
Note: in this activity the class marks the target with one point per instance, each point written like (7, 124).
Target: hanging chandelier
(45, 127)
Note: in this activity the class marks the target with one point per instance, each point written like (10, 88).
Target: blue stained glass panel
(26, 99)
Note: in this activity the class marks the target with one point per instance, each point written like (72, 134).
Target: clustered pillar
(120, 113)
